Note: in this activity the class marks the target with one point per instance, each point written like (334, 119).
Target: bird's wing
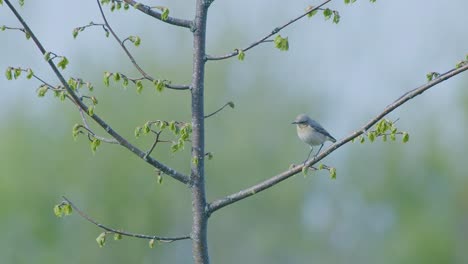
(321, 130)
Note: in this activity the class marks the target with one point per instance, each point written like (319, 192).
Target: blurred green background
(390, 203)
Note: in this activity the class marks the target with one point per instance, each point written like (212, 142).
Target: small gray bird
(312, 133)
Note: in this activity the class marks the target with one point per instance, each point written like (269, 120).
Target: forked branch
(230, 199)
(265, 38)
(74, 97)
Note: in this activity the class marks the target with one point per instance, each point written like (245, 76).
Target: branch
(231, 104)
(230, 199)
(122, 141)
(265, 39)
(132, 59)
(170, 20)
(123, 233)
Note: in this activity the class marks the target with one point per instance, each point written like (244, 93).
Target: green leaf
(174, 147)
(101, 239)
(29, 74)
(62, 95)
(63, 63)
(126, 6)
(327, 13)
(119, 5)
(16, 73)
(240, 55)
(160, 179)
(47, 56)
(146, 127)
(139, 86)
(117, 236)
(8, 74)
(305, 169)
(312, 11)
(42, 90)
(137, 132)
(162, 125)
(27, 35)
(91, 110)
(112, 8)
(384, 138)
(75, 32)
(371, 136)
(95, 144)
(116, 76)
(76, 131)
(231, 104)
(195, 160)
(165, 14)
(336, 17)
(151, 243)
(58, 210)
(21, 2)
(172, 126)
(135, 40)
(94, 100)
(125, 82)
(159, 85)
(107, 75)
(210, 155)
(281, 43)
(67, 209)
(392, 136)
(332, 173)
(405, 137)
(362, 139)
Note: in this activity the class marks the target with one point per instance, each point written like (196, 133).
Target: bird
(311, 133)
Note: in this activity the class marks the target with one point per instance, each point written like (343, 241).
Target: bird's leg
(318, 150)
(308, 156)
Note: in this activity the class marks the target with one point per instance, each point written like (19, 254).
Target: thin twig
(156, 141)
(123, 233)
(230, 199)
(231, 104)
(132, 59)
(76, 100)
(265, 39)
(170, 20)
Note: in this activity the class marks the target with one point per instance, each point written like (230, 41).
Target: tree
(194, 131)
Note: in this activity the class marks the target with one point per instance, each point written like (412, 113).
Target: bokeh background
(391, 202)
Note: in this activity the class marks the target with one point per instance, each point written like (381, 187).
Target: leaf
(195, 160)
(231, 104)
(281, 43)
(240, 55)
(107, 75)
(137, 132)
(75, 131)
(101, 239)
(151, 243)
(47, 56)
(125, 82)
(165, 14)
(159, 85)
(117, 236)
(336, 17)
(75, 32)
(63, 63)
(8, 74)
(41, 92)
(16, 73)
(327, 13)
(146, 127)
(91, 110)
(95, 144)
(116, 76)
(332, 173)
(312, 11)
(139, 86)
(58, 211)
(371, 136)
(405, 137)
(29, 74)
(67, 209)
